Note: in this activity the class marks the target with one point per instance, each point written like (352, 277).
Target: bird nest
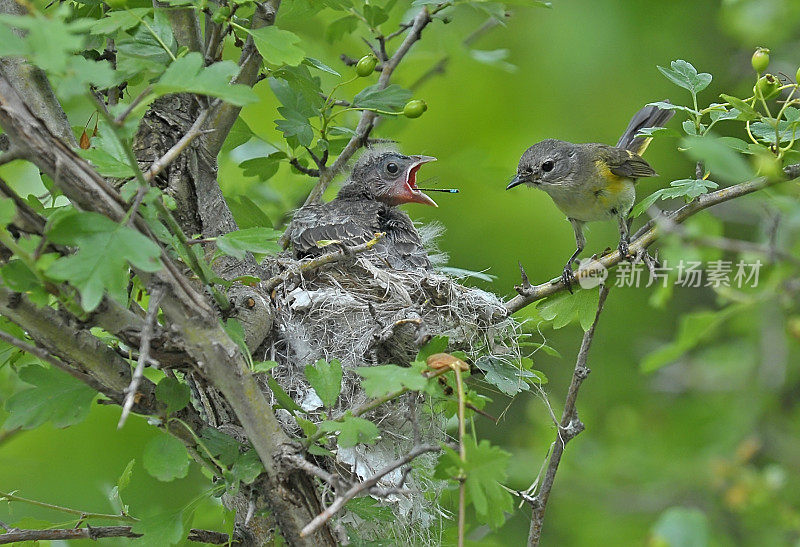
(363, 314)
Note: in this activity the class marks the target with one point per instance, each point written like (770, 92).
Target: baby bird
(367, 204)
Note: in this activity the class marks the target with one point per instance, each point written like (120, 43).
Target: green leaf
(295, 125)
(278, 47)
(694, 328)
(370, 509)
(264, 366)
(663, 105)
(55, 396)
(384, 379)
(115, 496)
(7, 211)
(282, 398)
(504, 375)
(326, 379)
(108, 155)
(341, 27)
(247, 467)
(765, 132)
(718, 158)
(161, 529)
(437, 344)
(683, 74)
(564, 308)
(352, 431)
(119, 20)
(687, 188)
(239, 134)
(221, 445)
(392, 97)
(188, 74)
(316, 63)
(248, 214)
(165, 458)
(105, 249)
(255, 240)
(485, 469)
(681, 527)
(746, 112)
(173, 393)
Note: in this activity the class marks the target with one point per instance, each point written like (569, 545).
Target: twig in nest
(363, 486)
(144, 353)
(316, 263)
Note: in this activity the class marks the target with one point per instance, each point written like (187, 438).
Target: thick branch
(649, 233)
(98, 532)
(568, 428)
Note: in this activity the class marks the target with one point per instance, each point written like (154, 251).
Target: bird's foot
(568, 277)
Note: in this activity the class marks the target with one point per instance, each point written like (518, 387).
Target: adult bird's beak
(410, 193)
(516, 181)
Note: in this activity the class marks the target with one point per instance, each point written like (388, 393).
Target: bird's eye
(548, 166)
(392, 168)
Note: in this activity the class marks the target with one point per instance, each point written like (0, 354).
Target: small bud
(366, 65)
(414, 108)
(760, 59)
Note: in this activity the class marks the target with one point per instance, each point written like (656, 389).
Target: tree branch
(568, 428)
(648, 234)
(98, 532)
(367, 119)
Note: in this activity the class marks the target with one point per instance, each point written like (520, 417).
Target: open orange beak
(409, 193)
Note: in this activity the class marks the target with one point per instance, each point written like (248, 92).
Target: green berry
(366, 65)
(414, 108)
(797, 76)
(768, 86)
(760, 60)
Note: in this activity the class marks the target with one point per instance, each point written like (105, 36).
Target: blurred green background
(704, 451)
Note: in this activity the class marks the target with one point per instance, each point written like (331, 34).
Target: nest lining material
(364, 315)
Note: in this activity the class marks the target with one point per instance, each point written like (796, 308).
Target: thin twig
(648, 234)
(119, 120)
(363, 486)
(144, 353)
(568, 428)
(98, 532)
(294, 162)
(83, 514)
(462, 454)
(170, 155)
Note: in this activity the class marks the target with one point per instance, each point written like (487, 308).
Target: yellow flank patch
(613, 187)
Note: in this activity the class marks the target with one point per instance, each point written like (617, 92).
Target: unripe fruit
(797, 76)
(415, 108)
(768, 86)
(366, 65)
(760, 60)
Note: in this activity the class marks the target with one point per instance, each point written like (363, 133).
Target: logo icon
(590, 273)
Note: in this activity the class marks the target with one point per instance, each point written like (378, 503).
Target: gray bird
(367, 204)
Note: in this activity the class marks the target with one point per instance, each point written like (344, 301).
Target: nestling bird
(367, 204)
(592, 181)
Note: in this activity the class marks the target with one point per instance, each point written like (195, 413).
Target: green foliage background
(706, 449)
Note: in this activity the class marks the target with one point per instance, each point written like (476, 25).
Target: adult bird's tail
(649, 116)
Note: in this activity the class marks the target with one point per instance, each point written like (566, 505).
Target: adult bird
(366, 205)
(592, 181)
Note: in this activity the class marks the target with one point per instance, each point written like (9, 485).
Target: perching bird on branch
(367, 204)
(592, 181)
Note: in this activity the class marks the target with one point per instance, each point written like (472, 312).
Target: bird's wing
(403, 245)
(625, 163)
(329, 222)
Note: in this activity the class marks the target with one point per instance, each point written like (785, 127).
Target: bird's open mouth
(415, 194)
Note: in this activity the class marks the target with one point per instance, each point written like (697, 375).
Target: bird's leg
(580, 242)
(624, 234)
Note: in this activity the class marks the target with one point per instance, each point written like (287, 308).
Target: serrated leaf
(254, 240)
(384, 379)
(437, 344)
(105, 249)
(276, 46)
(390, 98)
(485, 470)
(295, 125)
(505, 376)
(173, 393)
(683, 74)
(165, 458)
(341, 27)
(746, 112)
(247, 467)
(189, 74)
(718, 158)
(326, 379)
(352, 431)
(161, 529)
(119, 20)
(55, 397)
